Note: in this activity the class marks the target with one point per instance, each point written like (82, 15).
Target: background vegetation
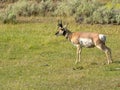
(83, 11)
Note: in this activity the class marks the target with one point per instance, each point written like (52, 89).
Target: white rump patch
(86, 42)
(102, 37)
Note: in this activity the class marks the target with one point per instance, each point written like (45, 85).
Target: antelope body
(85, 39)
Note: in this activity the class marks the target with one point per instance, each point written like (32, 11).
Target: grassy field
(33, 58)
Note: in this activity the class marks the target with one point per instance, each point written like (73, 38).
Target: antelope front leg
(80, 49)
(78, 54)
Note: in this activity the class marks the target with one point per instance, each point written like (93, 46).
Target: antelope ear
(65, 26)
(60, 23)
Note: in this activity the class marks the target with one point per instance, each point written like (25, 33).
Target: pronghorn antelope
(84, 39)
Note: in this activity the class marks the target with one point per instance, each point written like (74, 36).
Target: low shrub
(46, 8)
(8, 16)
(26, 8)
(94, 12)
(84, 11)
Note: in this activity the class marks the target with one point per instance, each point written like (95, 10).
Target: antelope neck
(67, 34)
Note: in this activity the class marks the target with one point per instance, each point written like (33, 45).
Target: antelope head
(61, 29)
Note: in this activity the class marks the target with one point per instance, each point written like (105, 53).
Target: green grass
(33, 58)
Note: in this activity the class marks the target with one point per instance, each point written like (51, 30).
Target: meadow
(33, 58)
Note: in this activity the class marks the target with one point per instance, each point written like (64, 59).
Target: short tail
(102, 37)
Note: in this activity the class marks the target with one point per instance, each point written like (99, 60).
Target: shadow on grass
(114, 69)
(117, 62)
(94, 63)
(85, 66)
(78, 68)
